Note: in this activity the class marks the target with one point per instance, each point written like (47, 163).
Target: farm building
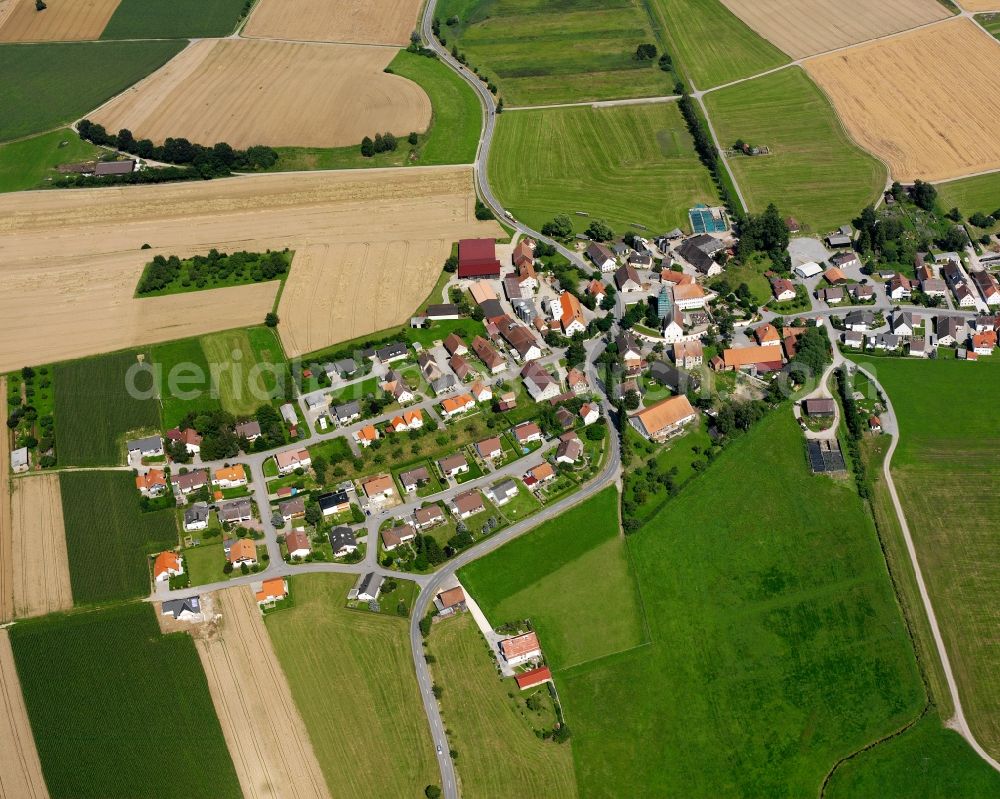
(478, 258)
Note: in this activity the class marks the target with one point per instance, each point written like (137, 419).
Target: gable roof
(665, 414)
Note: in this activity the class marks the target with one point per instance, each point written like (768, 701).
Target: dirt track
(70, 260)
(20, 769)
(247, 92)
(805, 27)
(40, 560)
(917, 100)
(375, 22)
(62, 21)
(6, 533)
(265, 734)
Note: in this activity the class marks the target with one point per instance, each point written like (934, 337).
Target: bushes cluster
(209, 162)
(382, 143)
(170, 174)
(214, 268)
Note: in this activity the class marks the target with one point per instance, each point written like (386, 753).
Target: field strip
(384, 22)
(266, 737)
(61, 21)
(41, 579)
(882, 92)
(70, 260)
(20, 769)
(665, 98)
(6, 529)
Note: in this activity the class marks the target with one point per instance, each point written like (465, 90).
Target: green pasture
(969, 195)
(255, 370)
(31, 163)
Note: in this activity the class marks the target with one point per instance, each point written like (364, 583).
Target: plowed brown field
(246, 92)
(40, 560)
(20, 769)
(69, 261)
(61, 21)
(805, 27)
(264, 732)
(375, 22)
(917, 100)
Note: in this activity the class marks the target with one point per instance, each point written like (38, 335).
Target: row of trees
(216, 267)
(707, 152)
(383, 143)
(215, 161)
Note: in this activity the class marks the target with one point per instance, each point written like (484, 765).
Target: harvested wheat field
(70, 261)
(912, 99)
(355, 21)
(263, 730)
(981, 5)
(61, 21)
(39, 557)
(20, 769)
(6, 533)
(247, 92)
(806, 27)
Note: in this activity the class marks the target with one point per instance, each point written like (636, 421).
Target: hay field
(806, 27)
(71, 260)
(62, 21)
(20, 769)
(40, 561)
(980, 5)
(6, 531)
(248, 92)
(910, 99)
(354, 21)
(262, 727)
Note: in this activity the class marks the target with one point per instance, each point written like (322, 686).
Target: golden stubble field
(265, 734)
(917, 100)
(354, 21)
(806, 27)
(61, 21)
(70, 260)
(20, 769)
(249, 91)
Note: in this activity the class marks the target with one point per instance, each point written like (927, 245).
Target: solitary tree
(367, 147)
(271, 319)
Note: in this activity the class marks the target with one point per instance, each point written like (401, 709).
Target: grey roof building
(370, 586)
(347, 411)
(196, 514)
(181, 608)
(342, 541)
(151, 445)
(238, 510)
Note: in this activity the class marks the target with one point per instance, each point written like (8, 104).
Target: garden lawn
(108, 695)
(625, 164)
(711, 44)
(815, 172)
(572, 578)
(926, 762)
(173, 19)
(944, 468)
(204, 563)
(539, 52)
(95, 409)
(54, 83)
(183, 371)
(777, 644)
(452, 138)
(499, 754)
(108, 537)
(28, 164)
(256, 371)
(352, 671)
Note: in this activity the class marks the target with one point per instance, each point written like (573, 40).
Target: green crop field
(28, 164)
(970, 195)
(57, 82)
(626, 164)
(108, 537)
(712, 45)
(815, 173)
(255, 367)
(926, 762)
(117, 709)
(499, 754)
(991, 22)
(539, 52)
(351, 675)
(182, 369)
(95, 408)
(565, 576)
(942, 460)
(777, 646)
(452, 137)
(173, 19)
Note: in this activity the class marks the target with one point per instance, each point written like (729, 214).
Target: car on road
(439, 749)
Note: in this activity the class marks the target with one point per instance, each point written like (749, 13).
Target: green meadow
(54, 83)
(712, 44)
(109, 696)
(30, 163)
(541, 52)
(969, 195)
(815, 172)
(626, 164)
(944, 459)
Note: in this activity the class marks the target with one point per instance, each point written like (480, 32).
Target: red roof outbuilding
(530, 679)
(478, 258)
